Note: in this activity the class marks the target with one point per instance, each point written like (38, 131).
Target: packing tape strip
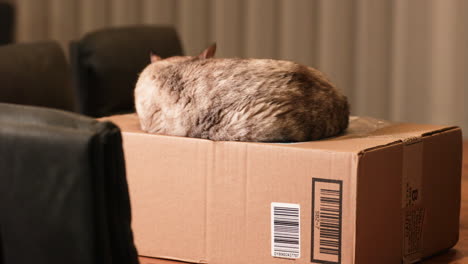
(413, 211)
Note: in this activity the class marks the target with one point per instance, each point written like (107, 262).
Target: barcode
(327, 213)
(285, 230)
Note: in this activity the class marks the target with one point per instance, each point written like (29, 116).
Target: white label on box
(285, 230)
(327, 203)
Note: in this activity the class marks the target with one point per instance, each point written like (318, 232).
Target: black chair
(35, 74)
(7, 14)
(106, 63)
(63, 190)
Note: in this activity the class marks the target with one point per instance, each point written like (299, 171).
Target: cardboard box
(381, 193)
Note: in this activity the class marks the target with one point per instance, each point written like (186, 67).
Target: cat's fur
(238, 99)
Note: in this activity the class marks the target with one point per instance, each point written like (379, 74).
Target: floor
(456, 255)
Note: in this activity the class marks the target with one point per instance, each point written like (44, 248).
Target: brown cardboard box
(380, 193)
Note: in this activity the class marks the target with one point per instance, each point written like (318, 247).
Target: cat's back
(224, 68)
(231, 72)
(246, 77)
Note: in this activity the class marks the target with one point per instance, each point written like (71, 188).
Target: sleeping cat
(238, 99)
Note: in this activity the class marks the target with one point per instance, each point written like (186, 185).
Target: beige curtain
(395, 59)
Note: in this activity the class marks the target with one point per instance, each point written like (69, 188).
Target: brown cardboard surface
(202, 201)
(171, 190)
(442, 190)
(247, 178)
(378, 223)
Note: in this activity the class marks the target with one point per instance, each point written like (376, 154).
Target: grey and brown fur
(238, 99)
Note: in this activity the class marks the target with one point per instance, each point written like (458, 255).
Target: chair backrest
(63, 191)
(106, 63)
(35, 74)
(7, 14)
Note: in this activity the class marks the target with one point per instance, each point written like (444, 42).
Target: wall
(395, 59)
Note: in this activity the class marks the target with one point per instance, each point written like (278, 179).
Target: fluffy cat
(235, 99)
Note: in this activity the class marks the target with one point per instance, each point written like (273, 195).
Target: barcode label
(285, 230)
(327, 205)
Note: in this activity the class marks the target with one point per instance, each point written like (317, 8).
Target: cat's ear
(154, 57)
(209, 52)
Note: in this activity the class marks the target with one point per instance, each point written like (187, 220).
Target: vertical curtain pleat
(194, 25)
(229, 27)
(63, 20)
(125, 12)
(396, 59)
(261, 32)
(32, 23)
(443, 58)
(297, 30)
(418, 61)
(372, 58)
(93, 15)
(398, 70)
(461, 64)
(162, 12)
(336, 35)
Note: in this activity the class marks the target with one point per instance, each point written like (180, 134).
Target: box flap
(363, 133)
(168, 173)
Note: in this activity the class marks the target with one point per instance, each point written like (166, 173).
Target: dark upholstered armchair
(63, 190)
(7, 15)
(35, 74)
(106, 63)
